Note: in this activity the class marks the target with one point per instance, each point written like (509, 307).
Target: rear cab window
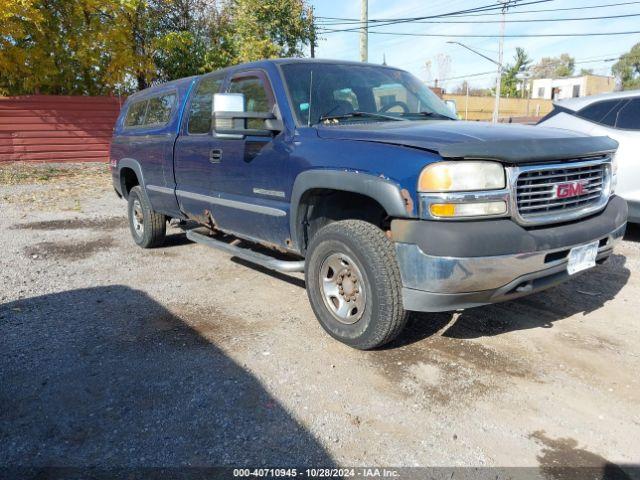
(135, 114)
(159, 109)
(154, 111)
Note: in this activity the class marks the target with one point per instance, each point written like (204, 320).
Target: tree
(18, 18)
(627, 68)
(270, 28)
(194, 39)
(554, 67)
(509, 83)
(103, 46)
(461, 89)
(53, 46)
(74, 47)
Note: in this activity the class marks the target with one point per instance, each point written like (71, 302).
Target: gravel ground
(117, 356)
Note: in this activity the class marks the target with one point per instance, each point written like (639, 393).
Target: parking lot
(117, 356)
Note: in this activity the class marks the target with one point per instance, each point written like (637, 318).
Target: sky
(413, 53)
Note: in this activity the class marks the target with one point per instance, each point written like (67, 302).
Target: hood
(506, 143)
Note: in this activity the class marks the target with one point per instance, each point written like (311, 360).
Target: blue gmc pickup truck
(360, 177)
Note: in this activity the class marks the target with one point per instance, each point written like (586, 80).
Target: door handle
(215, 155)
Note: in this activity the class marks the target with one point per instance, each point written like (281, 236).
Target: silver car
(616, 115)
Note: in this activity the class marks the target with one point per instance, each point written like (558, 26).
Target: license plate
(582, 257)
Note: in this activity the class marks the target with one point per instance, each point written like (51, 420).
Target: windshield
(322, 91)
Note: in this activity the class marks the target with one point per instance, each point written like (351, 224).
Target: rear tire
(354, 285)
(147, 227)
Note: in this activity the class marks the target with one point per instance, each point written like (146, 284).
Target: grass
(29, 173)
(55, 187)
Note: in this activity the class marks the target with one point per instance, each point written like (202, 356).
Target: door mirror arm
(233, 123)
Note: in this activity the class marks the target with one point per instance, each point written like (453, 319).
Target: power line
(353, 20)
(327, 30)
(601, 57)
(613, 59)
(470, 10)
(482, 8)
(582, 34)
(492, 72)
(588, 7)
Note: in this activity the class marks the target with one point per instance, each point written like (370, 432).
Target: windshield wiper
(357, 114)
(427, 114)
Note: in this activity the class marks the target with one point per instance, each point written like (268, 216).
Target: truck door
(255, 170)
(195, 159)
(239, 182)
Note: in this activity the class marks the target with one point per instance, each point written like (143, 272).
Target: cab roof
(183, 82)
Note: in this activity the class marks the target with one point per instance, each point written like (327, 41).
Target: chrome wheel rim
(343, 291)
(137, 218)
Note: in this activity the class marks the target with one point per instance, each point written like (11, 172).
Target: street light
(496, 106)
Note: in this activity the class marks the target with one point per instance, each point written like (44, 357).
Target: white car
(616, 115)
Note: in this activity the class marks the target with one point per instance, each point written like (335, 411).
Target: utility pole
(364, 31)
(496, 106)
(313, 34)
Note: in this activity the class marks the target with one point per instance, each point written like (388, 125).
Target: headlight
(457, 210)
(462, 176)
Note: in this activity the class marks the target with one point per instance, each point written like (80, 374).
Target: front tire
(354, 285)
(147, 227)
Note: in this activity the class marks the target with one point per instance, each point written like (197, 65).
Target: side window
(200, 109)
(135, 114)
(256, 97)
(597, 111)
(255, 93)
(160, 108)
(629, 115)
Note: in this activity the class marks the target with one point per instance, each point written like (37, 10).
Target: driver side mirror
(230, 118)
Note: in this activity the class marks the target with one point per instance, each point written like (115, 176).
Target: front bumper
(456, 265)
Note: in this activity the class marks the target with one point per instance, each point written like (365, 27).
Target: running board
(261, 259)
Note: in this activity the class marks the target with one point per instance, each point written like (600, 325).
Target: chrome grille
(537, 190)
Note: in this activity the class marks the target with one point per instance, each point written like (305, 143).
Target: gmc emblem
(570, 189)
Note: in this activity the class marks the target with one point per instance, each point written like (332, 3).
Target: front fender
(396, 203)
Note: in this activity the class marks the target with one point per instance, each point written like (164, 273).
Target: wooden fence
(47, 128)
(481, 108)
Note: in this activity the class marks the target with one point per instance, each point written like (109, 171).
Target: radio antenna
(310, 92)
